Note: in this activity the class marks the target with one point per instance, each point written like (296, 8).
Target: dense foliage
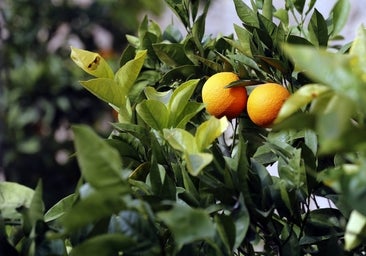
(171, 180)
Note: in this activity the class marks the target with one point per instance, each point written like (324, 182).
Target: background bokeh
(40, 96)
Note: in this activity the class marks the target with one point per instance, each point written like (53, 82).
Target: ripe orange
(264, 103)
(221, 101)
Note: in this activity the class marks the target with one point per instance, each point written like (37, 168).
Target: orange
(220, 101)
(264, 103)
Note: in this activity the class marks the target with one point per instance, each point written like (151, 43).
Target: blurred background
(40, 96)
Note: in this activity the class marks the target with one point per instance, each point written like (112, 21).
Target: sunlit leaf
(191, 109)
(210, 130)
(181, 140)
(106, 89)
(92, 63)
(336, 70)
(154, 113)
(13, 196)
(282, 15)
(127, 74)
(355, 230)
(300, 99)
(152, 94)
(60, 208)
(197, 161)
(358, 48)
(180, 99)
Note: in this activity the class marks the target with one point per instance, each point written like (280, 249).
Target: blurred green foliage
(39, 94)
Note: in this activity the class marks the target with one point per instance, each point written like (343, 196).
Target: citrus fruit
(221, 101)
(264, 103)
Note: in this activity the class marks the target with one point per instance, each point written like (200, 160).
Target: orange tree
(173, 180)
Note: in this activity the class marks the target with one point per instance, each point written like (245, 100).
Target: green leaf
(181, 140)
(179, 100)
(172, 54)
(298, 4)
(191, 109)
(336, 137)
(13, 196)
(100, 164)
(92, 208)
(355, 230)
(311, 141)
(180, 73)
(283, 16)
(197, 161)
(92, 63)
(60, 208)
(172, 34)
(293, 171)
(210, 130)
(244, 38)
(154, 113)
(136, 226)
(358, 47)
(106, 89)
(127, 74)
(226, 229)
(339, 16)
(198, 27)
(242, 222)
(104, 245)
(127, 54)
(300, 99)
(335, 70)
(189, 186)
(34, 213)
(187, 224)
(152, 94)
(178, 8)
(318, 29)
(245, 13)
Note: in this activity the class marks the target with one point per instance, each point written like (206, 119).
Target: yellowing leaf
(92, 63)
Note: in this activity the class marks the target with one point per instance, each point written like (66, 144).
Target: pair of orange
(263, 103)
